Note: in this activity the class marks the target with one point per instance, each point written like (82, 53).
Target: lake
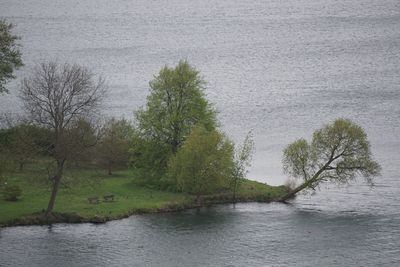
(279, 68)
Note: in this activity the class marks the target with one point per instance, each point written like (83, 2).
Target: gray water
(281, 68)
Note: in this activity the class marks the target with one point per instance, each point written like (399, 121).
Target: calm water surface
(281, 68)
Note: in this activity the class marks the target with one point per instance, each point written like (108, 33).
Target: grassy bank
(72, 203)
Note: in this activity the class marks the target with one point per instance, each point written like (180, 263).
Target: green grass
(130, 198)
(254, 190)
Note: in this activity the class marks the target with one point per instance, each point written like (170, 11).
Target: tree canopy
(10, 55)
(175, 105)
(113, 148)
(203, 164)
(338, 153)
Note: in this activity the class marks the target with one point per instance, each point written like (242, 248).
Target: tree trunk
(56, 185)
(199, 200)
(306, 184)
(21, 166)
(293, 192)
(109, 167)
(234, 191)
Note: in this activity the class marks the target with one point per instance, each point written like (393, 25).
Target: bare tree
(60, 97)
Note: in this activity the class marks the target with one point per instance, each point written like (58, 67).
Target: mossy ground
(72, 203)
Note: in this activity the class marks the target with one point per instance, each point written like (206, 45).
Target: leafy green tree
(113, 148)
(338, 153)
(21, 142)
(242, 161)
(204, 163)
(10, 55)
(175, 105)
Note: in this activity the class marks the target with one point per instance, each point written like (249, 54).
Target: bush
(203, 165)
(12, 192)
(148, 159)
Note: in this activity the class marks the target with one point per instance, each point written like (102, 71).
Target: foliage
(22, 142)
(149, 159)
(113, 148)
(10, 55)
(338, 153)
(176, 103)
(6, 166)
(79, 143)
(12, 192)
(204, 163)
(5, 161)
(242, 160)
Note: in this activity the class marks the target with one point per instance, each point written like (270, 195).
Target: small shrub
(12, 192)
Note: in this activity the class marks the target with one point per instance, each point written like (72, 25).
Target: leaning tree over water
(338, 153)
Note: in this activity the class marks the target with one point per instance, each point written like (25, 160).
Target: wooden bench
(108, 198)
(93, 200)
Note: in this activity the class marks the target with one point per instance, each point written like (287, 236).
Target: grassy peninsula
(130, 197)
(71, 165)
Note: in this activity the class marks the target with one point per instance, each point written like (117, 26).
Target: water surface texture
(281, 68)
